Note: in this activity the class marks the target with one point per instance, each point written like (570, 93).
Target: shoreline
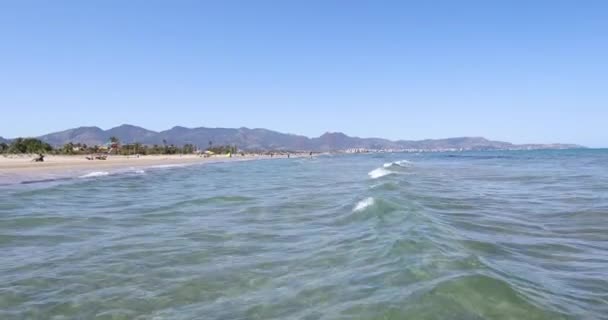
(20, 168)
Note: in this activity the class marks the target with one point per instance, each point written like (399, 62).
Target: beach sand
(15, 168)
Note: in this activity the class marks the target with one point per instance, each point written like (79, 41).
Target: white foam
(400, 163)
(166, 166)
(140, 171)
(361, 205)
(379, 172)
(95, 174)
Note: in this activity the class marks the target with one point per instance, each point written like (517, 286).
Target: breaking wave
(168, 166)
(389, 168)
(378, 173)
(95, 174)
(398, 164)
(361, 205)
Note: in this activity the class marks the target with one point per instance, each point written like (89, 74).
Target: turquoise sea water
(488, 235)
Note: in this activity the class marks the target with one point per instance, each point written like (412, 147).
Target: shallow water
(489, 235)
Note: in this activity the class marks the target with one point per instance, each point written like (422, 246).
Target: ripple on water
(461, 297)
(475, 236)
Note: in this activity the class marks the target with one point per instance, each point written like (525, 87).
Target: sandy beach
(14, 168)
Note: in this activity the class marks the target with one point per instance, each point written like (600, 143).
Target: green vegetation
(27, 145)
(32, 145)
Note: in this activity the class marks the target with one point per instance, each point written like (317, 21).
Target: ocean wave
(399, 164)
(95, 174)
(361, 205)
(435, 240)
(374, 209)
(41, 180)
(389, 186)
(390, 168)
(468, 296)
(378, 173)
(168, 166)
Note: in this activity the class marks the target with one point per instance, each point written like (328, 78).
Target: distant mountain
(96, 136)
(130, 134)
(340, 141)
(2, 140)
(88, 135)
(263, 139)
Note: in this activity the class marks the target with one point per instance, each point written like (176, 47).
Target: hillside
(263, 139)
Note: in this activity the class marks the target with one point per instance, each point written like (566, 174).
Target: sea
(462, 235)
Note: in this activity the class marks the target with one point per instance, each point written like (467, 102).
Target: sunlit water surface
(487, 235)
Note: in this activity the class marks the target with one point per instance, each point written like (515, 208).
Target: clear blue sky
(521, 71)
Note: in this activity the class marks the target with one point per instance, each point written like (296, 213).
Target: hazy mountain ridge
(264, 139)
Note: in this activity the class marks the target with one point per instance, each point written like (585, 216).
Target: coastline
(19, 168)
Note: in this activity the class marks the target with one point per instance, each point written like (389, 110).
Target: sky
(518, 71)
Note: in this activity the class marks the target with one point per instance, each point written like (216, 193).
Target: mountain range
(263, 139)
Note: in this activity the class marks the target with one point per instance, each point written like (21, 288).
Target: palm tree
(114, 144)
